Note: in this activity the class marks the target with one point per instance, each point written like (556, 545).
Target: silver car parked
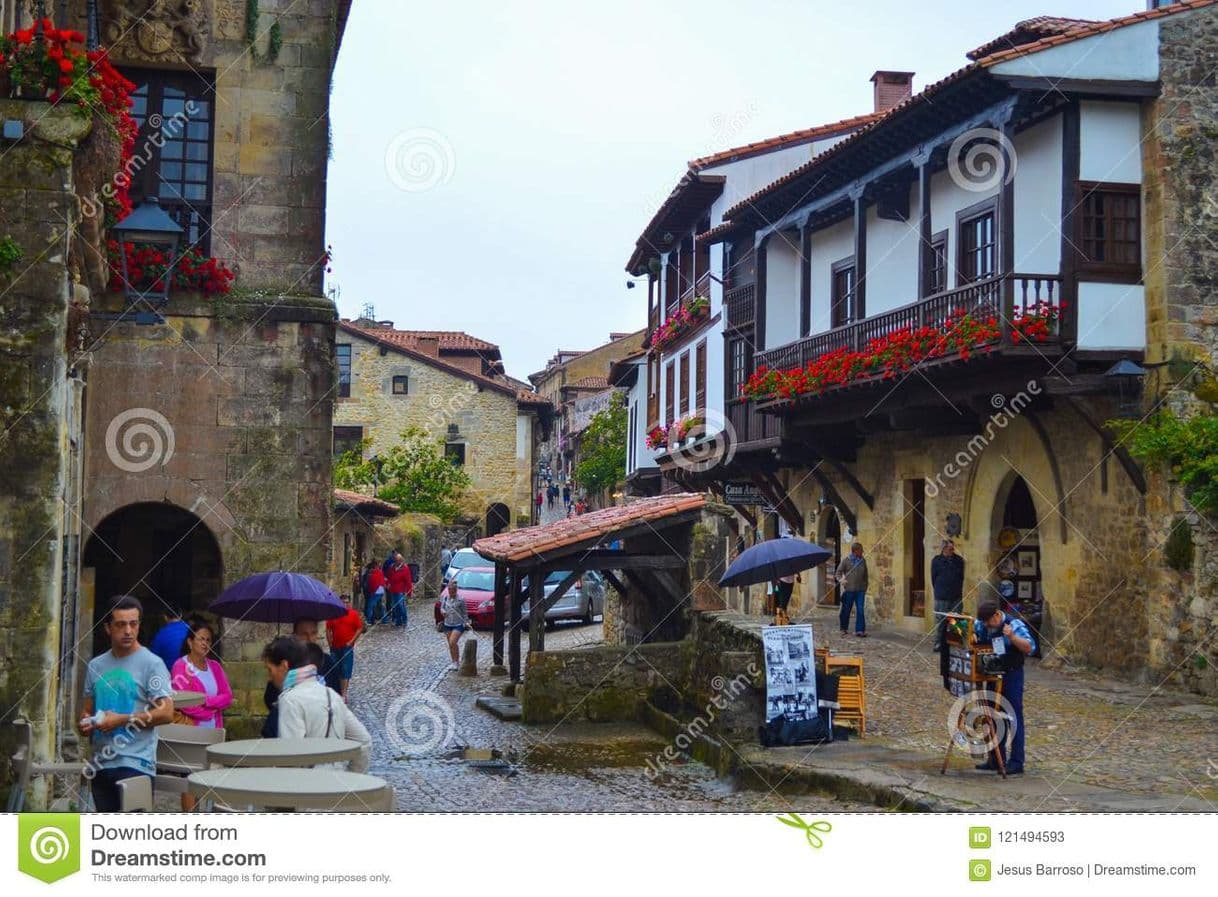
(583, 601)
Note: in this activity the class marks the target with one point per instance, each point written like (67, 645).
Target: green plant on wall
(603, 449)
(10, 254)
(274, 35)
(1187, 447)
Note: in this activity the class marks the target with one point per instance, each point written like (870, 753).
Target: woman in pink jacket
(197, 671)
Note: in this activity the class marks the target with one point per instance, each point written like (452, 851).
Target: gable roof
(1026, 32)
(785, 141)
(345, 499)
(384, 338)
(927, 95)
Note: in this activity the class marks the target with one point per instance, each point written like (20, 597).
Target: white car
(465, 557)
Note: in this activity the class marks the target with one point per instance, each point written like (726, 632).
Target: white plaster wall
(782, 290)
(892, 260)
(1111, 316)
(1111, 138)
(1126, 54)
(637, 398)
(746, 176)
(828, 246)
(1038, 198)
(946, 199)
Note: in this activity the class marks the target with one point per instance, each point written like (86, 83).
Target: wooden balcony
(998, 297)
(741, 306)
(751, 428)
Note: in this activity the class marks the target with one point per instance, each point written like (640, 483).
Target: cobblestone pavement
(421, 716)
(1081, 728)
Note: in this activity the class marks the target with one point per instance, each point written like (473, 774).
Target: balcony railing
(985, 298)
(749, 426)
(741, 305)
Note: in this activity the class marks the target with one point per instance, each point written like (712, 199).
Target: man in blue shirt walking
(992, 626)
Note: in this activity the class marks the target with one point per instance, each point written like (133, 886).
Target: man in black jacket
(947, 580)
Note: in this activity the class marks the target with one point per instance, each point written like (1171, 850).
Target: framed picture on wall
(1028, 563)
(1025, 590)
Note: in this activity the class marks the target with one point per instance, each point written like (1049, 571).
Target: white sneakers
(453, 667)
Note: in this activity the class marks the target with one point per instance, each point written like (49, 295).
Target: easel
(964, 671)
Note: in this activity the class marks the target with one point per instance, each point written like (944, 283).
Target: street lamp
(1128, 377)
(148, 226)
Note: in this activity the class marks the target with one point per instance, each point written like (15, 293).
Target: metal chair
(135, 795)
(25, 768)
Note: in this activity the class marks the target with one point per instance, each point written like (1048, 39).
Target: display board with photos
(790, 672)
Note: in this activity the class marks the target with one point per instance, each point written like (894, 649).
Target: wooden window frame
(700, 378)
(334, 438)
(966, 217)
(198, 87)
(686, 367)
(400, 379)
(1106, 271)
(846, 302)
(670, 389)
(344, 386)
(938, 264)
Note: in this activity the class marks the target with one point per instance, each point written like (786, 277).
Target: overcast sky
(495, 162)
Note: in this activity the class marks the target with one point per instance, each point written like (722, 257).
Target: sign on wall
(790, 673)
(742, 494)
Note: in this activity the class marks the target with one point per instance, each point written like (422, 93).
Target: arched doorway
(498, 518)
(1019, 550)
(830, 538)
(158, 552)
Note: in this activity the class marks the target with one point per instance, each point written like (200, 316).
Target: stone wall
(485, 418)
(599, 684)
(39, 417)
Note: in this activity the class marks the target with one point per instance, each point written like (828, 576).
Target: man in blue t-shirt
(127, 695)
(167, 643)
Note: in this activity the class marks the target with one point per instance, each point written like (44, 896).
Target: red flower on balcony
(680, 322)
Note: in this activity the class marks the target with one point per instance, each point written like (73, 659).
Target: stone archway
(498, 519)
(160, 553)
(828, 535)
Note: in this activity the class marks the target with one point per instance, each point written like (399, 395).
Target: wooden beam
(1096, 88)
(1072, 153)
(925, 230)
(837, 501)
(844, 472)
(563, 587)
(537, 614)
(1132, 470)
(501, 586)
(772, 490)
(517, 602)
(805, 280)
(611, 578)
(608, 559)
(859, 305)
(759, 291)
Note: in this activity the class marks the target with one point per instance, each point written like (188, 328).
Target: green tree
(1186, 447)
(414, 474)
(602, 462)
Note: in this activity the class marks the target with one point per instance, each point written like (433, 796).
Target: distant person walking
(566, 497)
(852, 577)
(127, 695)
(551, 496)
(400, 586)
(947, 581)
(342, 635)
(374, 594)
(538, 501)
(456, 621)
(167, 643)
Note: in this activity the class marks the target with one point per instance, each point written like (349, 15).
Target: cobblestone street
(422, 717)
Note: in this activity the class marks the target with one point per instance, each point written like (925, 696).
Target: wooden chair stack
(850, 693)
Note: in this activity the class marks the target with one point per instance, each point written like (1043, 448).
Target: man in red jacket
(400, 586)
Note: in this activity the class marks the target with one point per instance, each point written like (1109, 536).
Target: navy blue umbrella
(278, 598)
(770, 560)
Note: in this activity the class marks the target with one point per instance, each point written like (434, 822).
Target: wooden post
(805, 279)
(514, 626)
(1071, 172)
(1006, 229)
(497, 667)
(537, 611)
(860, 256)
(759, 292)
(926, 234)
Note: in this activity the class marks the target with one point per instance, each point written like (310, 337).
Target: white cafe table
(282, 752)
(298, 789)
(188, 698)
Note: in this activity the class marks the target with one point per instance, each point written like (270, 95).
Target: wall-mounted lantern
(148, 226)
(1129, 378)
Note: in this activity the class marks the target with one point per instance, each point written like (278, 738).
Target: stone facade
(496, 430)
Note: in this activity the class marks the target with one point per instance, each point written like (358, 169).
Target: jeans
(1012, 690)
(950, 606)
(849, 601)
(397, 608)
(105, 787)
(372, 608)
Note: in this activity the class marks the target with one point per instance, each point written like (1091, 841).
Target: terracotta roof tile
(522, 544)
(360, 502)
(528, 397)
(1027, 31)
(590, 383)
(784, 140)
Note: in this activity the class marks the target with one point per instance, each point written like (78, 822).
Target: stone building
(451, 385)
(981, 280)
(164, 449)
(568, 378)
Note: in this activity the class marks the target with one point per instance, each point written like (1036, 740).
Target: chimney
(891, 89)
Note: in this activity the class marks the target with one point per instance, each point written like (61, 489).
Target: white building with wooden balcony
(928, 326)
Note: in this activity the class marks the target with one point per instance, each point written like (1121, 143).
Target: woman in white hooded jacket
(307, 708)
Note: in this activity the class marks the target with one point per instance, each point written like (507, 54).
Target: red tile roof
(447, 340)
(528, 397)
(928, 93)
(1027, 31)
(782, 141)
(591, 528)
(590, 383)
(366, 503)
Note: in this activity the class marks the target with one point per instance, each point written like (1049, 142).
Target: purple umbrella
(278, 598)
